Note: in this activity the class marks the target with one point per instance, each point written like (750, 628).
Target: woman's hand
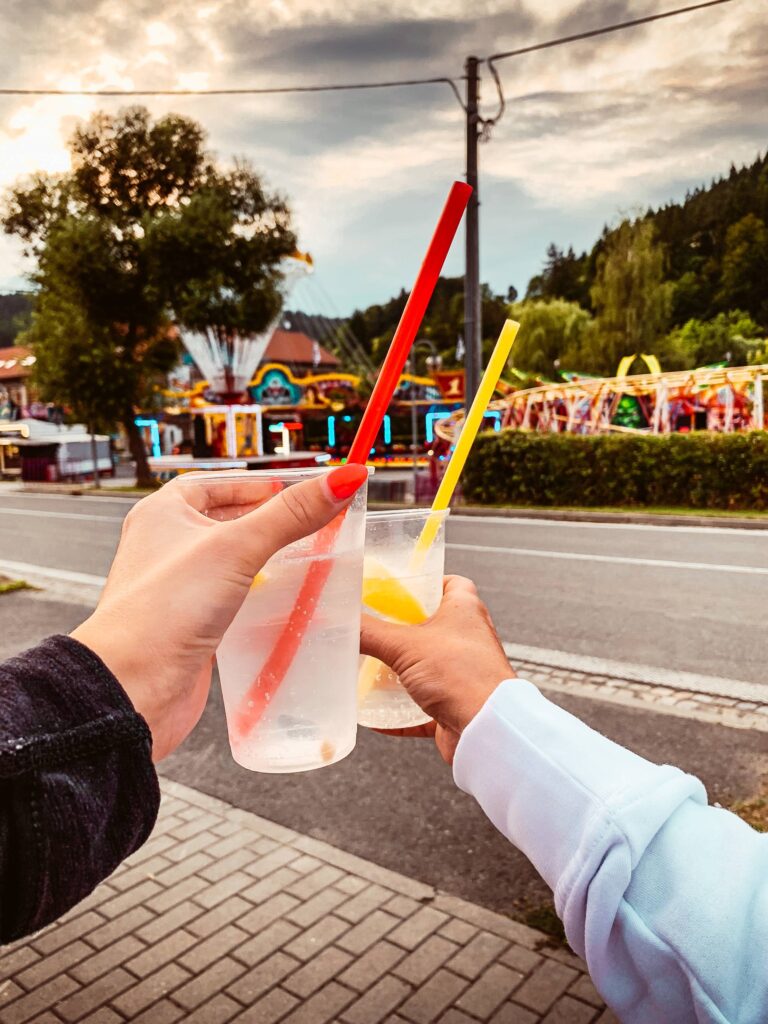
(450, 664)
(181, 572)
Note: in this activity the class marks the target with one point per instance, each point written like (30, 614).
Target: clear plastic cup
(299, 715)
(399, 585)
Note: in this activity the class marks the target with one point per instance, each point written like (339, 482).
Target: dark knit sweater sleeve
(78, 791)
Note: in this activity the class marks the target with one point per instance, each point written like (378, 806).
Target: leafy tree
(744, 275)
(143, 233)
(630, 296)
(732, 337)
(564, 276)
(15, 313)
(554, 332)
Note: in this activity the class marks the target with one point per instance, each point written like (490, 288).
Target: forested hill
(15, 310)
(715, 247)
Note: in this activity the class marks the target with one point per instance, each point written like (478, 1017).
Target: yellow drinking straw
(472, 421)
(387, 591)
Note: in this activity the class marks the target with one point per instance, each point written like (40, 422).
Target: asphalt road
(684, 598)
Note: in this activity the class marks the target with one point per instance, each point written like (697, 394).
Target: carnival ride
(717, 398)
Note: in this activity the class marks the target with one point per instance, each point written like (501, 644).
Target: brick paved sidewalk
(224, 916)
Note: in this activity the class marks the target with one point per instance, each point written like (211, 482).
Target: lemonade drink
(399, 585)
(308, 720)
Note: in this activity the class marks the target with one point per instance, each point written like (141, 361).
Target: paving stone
(480, 951)
(92, 996)
(179, 916)
(429, 1001)
(62, 960)
(425, 959)
(149, 990)
(279, 858)
(127, 900)
(9, 991)
(222, 890)
(258, 918)
(315, 881)
(570, 1011)
(378, 1001)
(183, 869)
(213, 948)
(164, 1012)
(458, 931)
(151, 868)
(125, 924)
(220, 848)
(104, 1015)
(31, 1005)
(363, 935)
(583, 988)
(350, 884)
(274, 883)
(14, 960)
(260, 979)
(216, 1011)
(417, 927)
(214, 979)
(256, 949)
(323, 1006)
(170, 948)
(320, 935)
(112, 956)
(606, 1017)
(271, 1008)
(203, 841)
(367, 969)
(224, 867)
(317, 906)
(197, 823)
(167, 899)
(542, 988)
(316, 972)
(365, 902)
(402, 906)
(520, 958)
(512, 1013)
(456, 1017)
(490, 990)
(305, 864)
(219, 916)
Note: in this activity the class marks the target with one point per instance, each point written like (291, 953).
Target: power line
(604, 30)
(355, 86)
(249, 91)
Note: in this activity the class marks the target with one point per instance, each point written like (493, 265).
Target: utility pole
(473, 356)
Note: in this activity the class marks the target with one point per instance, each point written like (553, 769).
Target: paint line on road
(715, 686)
(44, 514)
(28, 570)
(577, 556)
(571, 524)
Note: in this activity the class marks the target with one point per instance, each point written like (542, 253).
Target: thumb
(384, 640)
(294, 513)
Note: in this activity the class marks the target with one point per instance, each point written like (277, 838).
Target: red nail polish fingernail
(344, 481)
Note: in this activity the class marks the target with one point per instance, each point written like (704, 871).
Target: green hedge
(724, 471)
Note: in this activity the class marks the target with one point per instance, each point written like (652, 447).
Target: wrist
(475, 698)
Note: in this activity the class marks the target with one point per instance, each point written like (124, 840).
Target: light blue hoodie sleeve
(665, 897)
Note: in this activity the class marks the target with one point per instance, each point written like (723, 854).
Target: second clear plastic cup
(307, 718)
(400, 586)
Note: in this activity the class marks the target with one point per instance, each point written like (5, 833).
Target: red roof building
(298, 351)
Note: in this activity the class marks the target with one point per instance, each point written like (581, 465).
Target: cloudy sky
(590, 130)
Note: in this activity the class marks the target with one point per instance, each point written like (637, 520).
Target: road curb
(573, 516)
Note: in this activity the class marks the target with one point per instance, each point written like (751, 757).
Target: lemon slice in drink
(259, 578)
(387, 596)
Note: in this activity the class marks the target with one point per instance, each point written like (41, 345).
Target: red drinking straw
(281, 658)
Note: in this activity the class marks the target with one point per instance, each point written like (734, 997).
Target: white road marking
(577, 556)
(571, 524)
(27, 569)
(691, 682)
(43, 514)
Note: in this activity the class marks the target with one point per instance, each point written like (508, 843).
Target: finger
(296, 512)
(426, 731)
(456, 586)
(381, 639)
(212, 493)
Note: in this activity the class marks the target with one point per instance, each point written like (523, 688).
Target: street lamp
(434, 362)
